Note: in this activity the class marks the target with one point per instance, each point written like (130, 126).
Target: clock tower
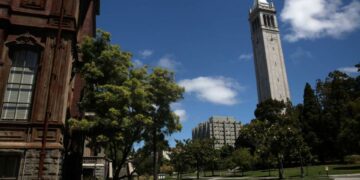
(270, 68)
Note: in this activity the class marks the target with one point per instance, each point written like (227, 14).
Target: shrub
(352, 159)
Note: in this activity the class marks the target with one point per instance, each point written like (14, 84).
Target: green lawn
(311, 172)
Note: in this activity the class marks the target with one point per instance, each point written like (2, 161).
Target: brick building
(38, 45)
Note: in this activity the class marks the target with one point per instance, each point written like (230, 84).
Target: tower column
(269, 60)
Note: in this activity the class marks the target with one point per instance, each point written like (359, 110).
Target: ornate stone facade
(272, 82)
(35, 84)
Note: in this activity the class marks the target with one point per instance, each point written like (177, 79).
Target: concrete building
(224, 129)
(272, 82)
(39, 40)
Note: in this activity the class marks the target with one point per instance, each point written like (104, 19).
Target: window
(20, 85)
(272, 21)
(9, 166)
(265, 20)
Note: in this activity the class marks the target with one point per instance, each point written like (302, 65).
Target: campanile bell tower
(270, 68)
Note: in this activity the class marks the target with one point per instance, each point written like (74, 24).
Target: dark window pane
(9, 166)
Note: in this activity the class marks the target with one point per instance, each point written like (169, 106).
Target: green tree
(329, 118)
(213, 156)
(180, 157)
(310, 119)
(255, 136)
(127, 102)
(117, 95)
(142, 162)
(349, 137)
(163, 92)
(243, 159)
(282, 129)
(335, 93)
(226, 151)
(201, 152)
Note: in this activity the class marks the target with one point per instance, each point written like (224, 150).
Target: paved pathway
(345, 177)
(335, 177)
(236, 178)
(229, 178)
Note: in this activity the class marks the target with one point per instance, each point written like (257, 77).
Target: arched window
(265, 20)
(268, 20)
(272, 21)
(18, 95)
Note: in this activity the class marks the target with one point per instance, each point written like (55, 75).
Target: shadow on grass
(347, 168)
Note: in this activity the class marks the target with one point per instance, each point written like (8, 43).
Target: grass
(311, 172)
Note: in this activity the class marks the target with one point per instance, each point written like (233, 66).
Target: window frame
(12, 53)
(22, 41)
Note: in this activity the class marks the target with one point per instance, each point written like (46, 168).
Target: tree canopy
(125, 102)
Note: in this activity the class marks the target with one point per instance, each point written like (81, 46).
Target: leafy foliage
(127, 102)
(274, 134)
(243, 159)
(335, 123)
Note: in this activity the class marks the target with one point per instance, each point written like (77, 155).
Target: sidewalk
(345, 177)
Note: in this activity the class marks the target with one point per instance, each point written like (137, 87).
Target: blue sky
(207, 43)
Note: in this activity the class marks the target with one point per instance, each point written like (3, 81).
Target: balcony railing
(94, 160)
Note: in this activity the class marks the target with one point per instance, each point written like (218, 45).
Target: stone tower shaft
(271, 77)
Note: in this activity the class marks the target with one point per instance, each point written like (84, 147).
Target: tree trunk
(198, 171)
(155, 158)
(281, 168)
(117, 173)
(212, 171)
(301, 167)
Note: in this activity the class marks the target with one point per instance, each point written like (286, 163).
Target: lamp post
(327, 171)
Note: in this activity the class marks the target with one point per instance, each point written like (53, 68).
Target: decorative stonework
(33, 4)
(66, 23)
(13, 135)
(52, 167)
(25, 40)
(52, 135)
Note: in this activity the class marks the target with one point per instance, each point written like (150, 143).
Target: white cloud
(311, 19)
(138, 63)
(217, 90)
(179, 110)
(349, 70)
(168, 62)
(300, 54)
(182, 114)
(146, 53)
(245, 57)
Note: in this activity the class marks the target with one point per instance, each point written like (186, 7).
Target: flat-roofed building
(223, 129)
